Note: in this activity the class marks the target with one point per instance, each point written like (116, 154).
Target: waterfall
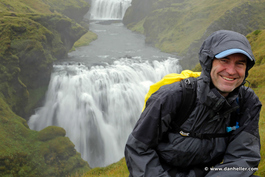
(99, 106)
(108, 9)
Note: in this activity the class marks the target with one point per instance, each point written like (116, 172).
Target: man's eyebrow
(243, 60)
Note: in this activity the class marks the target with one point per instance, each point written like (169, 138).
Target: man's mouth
(228, 79)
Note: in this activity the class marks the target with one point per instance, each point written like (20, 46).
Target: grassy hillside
(28, 6)
(173, 25)
(257, 80)
(118, 169)
(29, 44)
(28, 153)
(66, 7)
(33, 34)
(180, 26)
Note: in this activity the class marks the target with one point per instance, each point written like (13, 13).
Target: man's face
(229, 72)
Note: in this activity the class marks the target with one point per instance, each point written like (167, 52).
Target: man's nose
(231, 68)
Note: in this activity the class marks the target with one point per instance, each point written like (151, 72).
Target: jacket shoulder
(168, 97)
(248, 96)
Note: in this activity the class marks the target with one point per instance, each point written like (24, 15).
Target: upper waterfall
(108, 9)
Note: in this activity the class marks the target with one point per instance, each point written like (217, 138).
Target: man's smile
(228, 79)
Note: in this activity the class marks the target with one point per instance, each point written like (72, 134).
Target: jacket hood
(221, 41)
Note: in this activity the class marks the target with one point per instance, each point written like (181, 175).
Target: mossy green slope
(118, 169)
(257, 80)
(74, 9)
(257, 41)
(28, 6)
(24, 152)
(29, 44)
(33, 34)
(180, 26)
(174, 25)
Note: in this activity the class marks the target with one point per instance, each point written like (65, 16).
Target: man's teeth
(229, 79)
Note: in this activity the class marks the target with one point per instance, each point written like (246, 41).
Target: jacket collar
(211, 97)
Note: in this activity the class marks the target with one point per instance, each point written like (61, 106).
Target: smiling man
(228, 72)
(221, 134)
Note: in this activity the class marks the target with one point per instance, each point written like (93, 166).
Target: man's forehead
(238, 56)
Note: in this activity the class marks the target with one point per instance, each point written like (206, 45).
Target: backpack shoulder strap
(189, 86)
(188, 103)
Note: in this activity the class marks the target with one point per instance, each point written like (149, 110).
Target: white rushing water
(108, 9)
(99, 106)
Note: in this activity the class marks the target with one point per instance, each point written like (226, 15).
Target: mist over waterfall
(108, 9)
(99, 106)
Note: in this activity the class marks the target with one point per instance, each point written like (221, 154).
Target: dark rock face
(137, 11)
(76, 14)
(32, 43)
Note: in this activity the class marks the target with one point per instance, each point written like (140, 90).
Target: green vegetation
(173, 26)
(181, 26)
(33, 34)
(34, 97)
(138, 27)
(74, 9)
(257, 76)
(118, 169)
(24, 152)
(27, 6)
(29, 44)
(257, 80)
(257, 40)
(86, 39)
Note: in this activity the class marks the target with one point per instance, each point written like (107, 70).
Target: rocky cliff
(180, 26)
(31, 42)
(33, 35)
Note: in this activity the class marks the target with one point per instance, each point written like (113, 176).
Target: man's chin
(226, 91)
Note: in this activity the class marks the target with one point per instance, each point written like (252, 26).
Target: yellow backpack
(169, 79)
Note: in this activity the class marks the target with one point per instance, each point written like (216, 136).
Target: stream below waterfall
(97, 93)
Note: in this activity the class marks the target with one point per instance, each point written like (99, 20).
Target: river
(97, 93)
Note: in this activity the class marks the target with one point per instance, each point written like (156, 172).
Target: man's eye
(242, 63)
(223, 60)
